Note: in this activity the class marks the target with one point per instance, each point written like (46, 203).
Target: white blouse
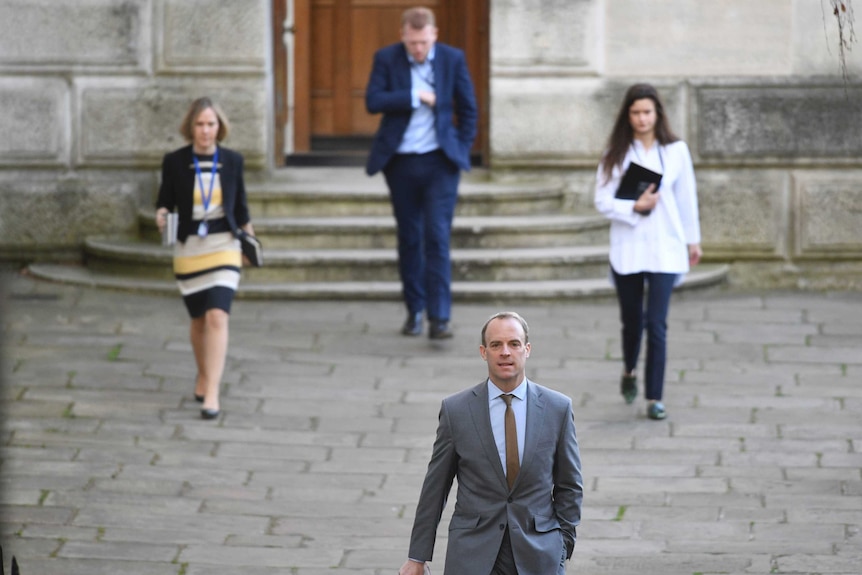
(657, 242)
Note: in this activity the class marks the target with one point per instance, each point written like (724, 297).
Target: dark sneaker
(656, 410)
(629, 387)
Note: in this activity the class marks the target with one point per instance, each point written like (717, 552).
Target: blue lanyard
(206, 198)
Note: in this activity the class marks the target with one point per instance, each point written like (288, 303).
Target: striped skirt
(207, 271)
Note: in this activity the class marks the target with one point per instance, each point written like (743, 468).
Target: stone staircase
(328, 233)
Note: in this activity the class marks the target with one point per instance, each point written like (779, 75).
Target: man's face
(505, 352)
(418, 42)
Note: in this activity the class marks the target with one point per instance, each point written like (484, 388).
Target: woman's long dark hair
(622, 134)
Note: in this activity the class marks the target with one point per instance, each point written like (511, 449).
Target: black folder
(635, 182)
(251, 248)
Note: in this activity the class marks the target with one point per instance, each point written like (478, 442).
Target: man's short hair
(417, 18)
(505, 315)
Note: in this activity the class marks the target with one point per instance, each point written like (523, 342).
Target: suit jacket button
(509, 500)
(502, 526)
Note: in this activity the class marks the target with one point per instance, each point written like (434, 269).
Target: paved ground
(329, 416)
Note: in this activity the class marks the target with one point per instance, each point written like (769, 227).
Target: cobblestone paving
(328, 418)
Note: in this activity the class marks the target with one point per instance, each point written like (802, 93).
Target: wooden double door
(333, 44)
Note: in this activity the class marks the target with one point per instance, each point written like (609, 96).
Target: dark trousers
(505, 563)
(630, 294)
(423, 189)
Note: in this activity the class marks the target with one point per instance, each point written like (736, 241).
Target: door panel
(335, 41)
(345, 35)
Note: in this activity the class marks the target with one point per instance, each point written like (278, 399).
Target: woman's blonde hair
(198, 106)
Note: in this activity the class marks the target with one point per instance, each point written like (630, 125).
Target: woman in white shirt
(654, 239)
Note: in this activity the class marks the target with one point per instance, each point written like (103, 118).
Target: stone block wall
(92, 93)
(755, 89)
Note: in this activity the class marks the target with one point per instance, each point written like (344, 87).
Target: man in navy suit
(421, 86)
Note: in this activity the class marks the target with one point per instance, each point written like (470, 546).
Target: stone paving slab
(329, 415)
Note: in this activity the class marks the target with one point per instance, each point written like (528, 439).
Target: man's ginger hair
(417, 18)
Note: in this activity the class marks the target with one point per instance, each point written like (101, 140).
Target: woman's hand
(694, 254)
(161, 218)
(647, 200)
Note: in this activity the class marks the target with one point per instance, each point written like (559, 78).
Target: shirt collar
(428, 59)
(520, 392)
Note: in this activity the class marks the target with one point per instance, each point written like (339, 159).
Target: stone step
(136, 258)
(328, 233)
(703, 276)
(349, 192)
(367, 232)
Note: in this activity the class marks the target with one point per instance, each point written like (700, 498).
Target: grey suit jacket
(541, 511)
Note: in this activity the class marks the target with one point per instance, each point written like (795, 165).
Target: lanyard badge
(206, 198)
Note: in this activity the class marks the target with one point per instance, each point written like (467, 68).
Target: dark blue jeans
(423, 189)
(630, 293)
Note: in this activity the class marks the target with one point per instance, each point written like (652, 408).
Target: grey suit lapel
(535, 421)
(481, 414)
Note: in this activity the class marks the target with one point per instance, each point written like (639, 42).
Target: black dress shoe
(440, 330)
(209, 413)
(413, 325)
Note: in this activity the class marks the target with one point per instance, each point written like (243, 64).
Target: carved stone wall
(91, 96)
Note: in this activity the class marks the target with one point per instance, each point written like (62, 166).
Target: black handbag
(251, 248)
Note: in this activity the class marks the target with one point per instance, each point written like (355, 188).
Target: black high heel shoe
(210, 413)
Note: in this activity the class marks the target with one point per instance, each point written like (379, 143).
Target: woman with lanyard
(654, 239)
(204, 182)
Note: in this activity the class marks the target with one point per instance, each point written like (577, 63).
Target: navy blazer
(389, 92)
(178, 184)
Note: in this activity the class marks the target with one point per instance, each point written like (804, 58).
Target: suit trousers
(630, 293)
(505, 563)
(423, 189)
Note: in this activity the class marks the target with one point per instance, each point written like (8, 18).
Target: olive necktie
(513, 466)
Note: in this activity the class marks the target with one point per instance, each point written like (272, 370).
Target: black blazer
(178, 184)
(389, 92)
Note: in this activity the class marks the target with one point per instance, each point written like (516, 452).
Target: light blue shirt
(421, 134)
(498, 418)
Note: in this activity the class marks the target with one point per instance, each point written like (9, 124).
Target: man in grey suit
(516, 511)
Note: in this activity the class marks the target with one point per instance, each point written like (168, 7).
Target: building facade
(93, 92)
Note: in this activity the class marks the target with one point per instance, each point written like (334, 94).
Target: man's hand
(412, 568)
(428, 98)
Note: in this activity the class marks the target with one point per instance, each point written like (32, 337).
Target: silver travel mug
(169, 232)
